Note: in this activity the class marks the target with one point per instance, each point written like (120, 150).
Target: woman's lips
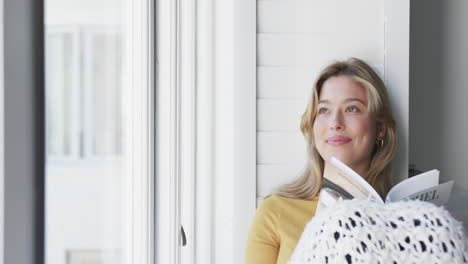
(338, 140)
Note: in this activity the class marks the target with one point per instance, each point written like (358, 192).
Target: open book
(347, 184)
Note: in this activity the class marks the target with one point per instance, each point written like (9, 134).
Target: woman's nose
(336, 122)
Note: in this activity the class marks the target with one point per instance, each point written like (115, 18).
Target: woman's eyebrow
(354, 100)
(345, 101)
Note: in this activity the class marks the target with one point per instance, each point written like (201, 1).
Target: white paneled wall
(295, 40)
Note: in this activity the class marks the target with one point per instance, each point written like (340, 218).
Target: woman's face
(343, 126)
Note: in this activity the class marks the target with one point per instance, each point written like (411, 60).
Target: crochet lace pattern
(362, 231)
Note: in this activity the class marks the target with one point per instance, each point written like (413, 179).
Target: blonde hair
(308, 184)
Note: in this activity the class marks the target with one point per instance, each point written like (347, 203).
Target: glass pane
(104, 72)
(85, 219)
(59, 85)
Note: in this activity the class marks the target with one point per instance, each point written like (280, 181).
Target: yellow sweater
(276, 229)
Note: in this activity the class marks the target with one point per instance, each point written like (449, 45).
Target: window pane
(104, 92)
(85, 219)
(58, 81)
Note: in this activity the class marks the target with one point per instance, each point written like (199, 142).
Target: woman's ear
(381, 130)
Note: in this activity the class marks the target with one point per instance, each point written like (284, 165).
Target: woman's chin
(352, 161)
(343, 157)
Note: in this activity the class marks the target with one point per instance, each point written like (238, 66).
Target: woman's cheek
(319, 122)
(318, 127)
(360, 125)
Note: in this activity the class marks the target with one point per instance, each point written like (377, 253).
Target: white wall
(439, 94)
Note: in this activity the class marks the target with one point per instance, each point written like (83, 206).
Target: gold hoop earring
(381, 142)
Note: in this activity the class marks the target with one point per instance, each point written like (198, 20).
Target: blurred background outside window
(84, 132)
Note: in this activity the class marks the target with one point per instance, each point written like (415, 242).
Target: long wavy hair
(308, 184)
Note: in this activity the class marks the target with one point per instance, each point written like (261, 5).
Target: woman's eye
(352, 109)
(323, 111)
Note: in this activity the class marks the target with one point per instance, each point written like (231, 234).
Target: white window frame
(206, 162)
(167, 170)
(139, 148)
(235, 127)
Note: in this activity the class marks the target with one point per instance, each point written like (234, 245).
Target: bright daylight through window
(84, 132)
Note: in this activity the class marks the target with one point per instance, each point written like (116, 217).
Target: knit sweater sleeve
(263, 241)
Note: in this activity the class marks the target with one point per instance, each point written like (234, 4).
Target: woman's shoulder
(277, 203)
(271, 200)
(274, 200)
(270, 203)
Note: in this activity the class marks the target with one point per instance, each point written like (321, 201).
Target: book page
(345, 184)
(438, 195)
(413, 185)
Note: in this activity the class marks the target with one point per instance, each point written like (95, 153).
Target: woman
(348, 116)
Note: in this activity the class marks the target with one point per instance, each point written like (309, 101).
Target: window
(99, 132)
(83, 80)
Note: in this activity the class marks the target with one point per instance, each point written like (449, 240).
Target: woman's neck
(330, 169)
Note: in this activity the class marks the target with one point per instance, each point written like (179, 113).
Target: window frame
(139, 146)
(216, 66)
(167, 137)
(206, 66)
(235, 127)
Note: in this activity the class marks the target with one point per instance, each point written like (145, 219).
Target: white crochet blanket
(356, 231)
